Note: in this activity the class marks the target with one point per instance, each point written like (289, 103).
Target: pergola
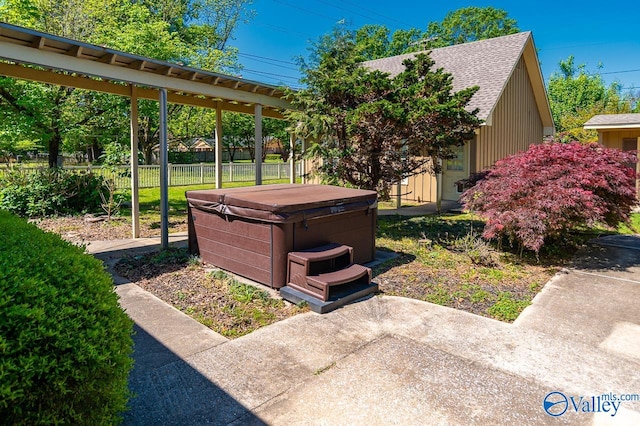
(42, 57)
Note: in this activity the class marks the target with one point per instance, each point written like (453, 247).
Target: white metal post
(135, 197)
(164, 171)
(258, 143)
(218, 147)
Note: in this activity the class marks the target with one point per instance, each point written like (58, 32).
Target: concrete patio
(390, 360)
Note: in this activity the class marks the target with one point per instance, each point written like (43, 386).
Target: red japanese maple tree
(552, 188)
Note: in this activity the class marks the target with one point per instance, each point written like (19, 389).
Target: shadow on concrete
(612, 253)
(168, 391)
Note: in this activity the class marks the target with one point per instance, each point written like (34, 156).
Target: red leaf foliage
(554, 187)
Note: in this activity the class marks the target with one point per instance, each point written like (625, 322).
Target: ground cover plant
(215, 299)
(65, 343)
(553, 188)
(444, 260)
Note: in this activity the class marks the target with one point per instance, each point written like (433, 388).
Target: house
(512, 102)
(621, 131)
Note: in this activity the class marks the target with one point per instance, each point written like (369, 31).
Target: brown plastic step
(319, 260)
(325, 286)
(342, 276)
(320, 254)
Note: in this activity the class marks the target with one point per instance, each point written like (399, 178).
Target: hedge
(65, 343)
(47, 192)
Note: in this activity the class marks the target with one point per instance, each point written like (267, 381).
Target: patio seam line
(378, 337)
(578, 271)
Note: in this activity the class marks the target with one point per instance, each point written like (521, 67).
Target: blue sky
(606, 33)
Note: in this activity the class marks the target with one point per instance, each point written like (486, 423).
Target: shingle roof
(613, 121)
(484, 63)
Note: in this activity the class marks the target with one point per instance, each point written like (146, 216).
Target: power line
(264, 57)
(619, 72)
(272, 64)
(284, 30)
(270, 73)
(355, 12)
(378, 14)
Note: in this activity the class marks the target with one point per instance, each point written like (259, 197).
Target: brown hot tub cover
(284, 203)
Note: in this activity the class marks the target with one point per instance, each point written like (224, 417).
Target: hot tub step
(326, 271)
(343, 276)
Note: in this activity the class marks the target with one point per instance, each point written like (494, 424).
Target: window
(457, 163)
(629, 144)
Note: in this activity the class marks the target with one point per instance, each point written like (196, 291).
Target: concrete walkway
(389, 360)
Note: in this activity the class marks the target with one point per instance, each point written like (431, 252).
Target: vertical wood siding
(516, 122)
(613, 138)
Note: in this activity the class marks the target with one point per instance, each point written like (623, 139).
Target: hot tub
(250, 230)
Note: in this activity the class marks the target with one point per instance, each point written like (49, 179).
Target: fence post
(169, 165)
(230, 171)
(201, 173)
(279, 169)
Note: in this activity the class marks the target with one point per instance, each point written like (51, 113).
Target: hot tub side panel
(258, 250)
(240, 246)
(356, 229)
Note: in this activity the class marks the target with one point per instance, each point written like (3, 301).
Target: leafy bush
(65, 343)
(46, 192)
(552, 188)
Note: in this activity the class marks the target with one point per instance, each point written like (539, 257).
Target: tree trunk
(54, 150)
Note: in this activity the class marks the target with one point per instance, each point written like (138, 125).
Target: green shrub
(273, 157)
(65, 343)
(46, 192)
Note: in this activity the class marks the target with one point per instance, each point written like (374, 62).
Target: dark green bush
(65, 343)
(46, 192)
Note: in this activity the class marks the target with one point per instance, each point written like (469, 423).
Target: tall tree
(238, 133)
(575, 96)
(376, 41)
(373, 130)
(195, 32)
(469, 24)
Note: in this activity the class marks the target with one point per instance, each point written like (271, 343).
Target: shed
(512, 101)
(621, 131)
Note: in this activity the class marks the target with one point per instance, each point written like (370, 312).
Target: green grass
(633, 227)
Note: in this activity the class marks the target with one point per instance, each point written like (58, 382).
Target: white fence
(188, 174)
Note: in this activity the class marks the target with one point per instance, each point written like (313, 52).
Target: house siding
(515, 125)
(614, 138)
(515, 122)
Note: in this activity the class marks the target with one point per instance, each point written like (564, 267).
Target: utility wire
(377, 13)
(619, 72)
(355, 12)
(272, 64)
(270, 73)
(264, 57)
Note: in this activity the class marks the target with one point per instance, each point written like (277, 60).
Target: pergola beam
(62, 79)
(32, 55)
(47, 59)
